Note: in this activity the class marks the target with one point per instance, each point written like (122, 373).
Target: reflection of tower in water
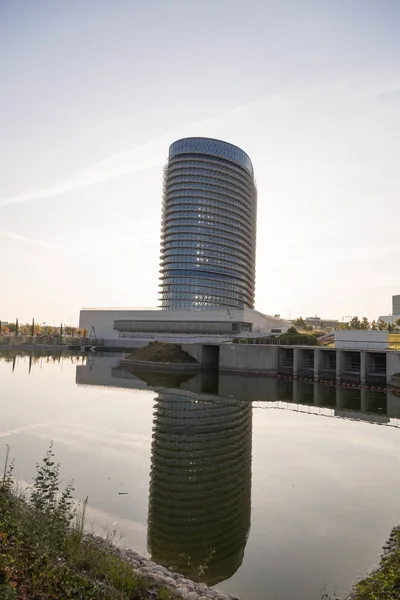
(200, 489)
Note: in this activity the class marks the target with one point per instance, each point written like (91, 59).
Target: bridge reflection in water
(267, 392)
(321, 399)
(200, 486)
(324, 399)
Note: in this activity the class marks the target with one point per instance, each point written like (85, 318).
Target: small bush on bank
(292, 337)
(382, 583)
(161, 352)
(44, 554)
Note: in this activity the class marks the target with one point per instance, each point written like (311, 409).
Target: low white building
(180, 326)
(319, 323)
(351, 339)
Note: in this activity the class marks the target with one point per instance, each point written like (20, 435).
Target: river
(264, 488)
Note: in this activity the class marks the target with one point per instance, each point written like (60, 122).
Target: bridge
(378, 367)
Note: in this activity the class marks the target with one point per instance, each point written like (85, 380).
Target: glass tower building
(208, 237)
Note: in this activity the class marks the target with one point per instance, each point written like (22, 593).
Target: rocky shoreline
(391, 547)
(177, 584)
(382, 581)
(183, 588)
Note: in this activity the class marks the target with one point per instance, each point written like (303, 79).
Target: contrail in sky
(153, 154)
(144, 157)
(22, 429)
(22, 238)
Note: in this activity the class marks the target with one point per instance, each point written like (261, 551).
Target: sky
(93, 92)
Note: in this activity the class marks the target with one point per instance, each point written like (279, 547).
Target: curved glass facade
(208, 237)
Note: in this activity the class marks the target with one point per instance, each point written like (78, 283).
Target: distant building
(319, 323)
(391, 319)
(396, 305)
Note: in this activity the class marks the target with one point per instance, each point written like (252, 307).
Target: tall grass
(44, 552)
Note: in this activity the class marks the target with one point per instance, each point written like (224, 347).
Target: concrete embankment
(36, 347)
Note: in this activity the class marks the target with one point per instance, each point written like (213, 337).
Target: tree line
(40, 330)
(354, 323)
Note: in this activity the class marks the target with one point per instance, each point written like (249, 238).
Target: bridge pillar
(393, 368)
(296, 356)
(339, 364)
(295, 392)
(363, 366)
(363, 400)
(317, 363)
(317, 394)
(339, 397)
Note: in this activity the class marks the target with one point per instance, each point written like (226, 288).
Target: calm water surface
(261, 488)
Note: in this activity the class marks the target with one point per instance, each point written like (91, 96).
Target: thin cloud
(27, 240)
(387, 87)
(141, 158)
(153, 154)
(23, 429)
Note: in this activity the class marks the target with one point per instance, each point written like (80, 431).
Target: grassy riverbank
(44, 554)
(383, 583)
(394, 341)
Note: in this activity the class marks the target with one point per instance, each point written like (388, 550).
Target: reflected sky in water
(265, 488)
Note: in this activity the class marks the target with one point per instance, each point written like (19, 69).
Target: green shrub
(44, 554)
(298, 339)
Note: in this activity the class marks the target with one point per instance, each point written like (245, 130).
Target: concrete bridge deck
(362, 366)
